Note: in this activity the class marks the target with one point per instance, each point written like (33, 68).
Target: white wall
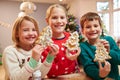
(9, 11)
(80, 7)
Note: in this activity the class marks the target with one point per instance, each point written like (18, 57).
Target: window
(109, 10)
(116, 4)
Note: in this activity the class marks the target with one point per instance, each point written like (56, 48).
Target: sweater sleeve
(12, 66)
(90, 67)
(114, 51)
(15, 71)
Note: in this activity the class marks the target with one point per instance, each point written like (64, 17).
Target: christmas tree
(72, 24)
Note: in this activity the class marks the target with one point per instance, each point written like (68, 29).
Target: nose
(30, 32)
(58, 20)
(92, 28)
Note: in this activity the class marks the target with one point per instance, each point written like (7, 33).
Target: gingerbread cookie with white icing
(45, 37)
(101, 53)
(72, 45)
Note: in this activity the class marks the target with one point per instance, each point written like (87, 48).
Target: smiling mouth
(31, 38)
(92, 34)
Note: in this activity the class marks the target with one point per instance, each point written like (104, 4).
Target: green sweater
(91, 68)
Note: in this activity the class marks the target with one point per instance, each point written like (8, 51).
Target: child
(57, 20)
(22, 59)
(91, 25)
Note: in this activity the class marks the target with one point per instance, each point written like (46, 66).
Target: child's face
(92, 29)
(57, 20)
(27, 33)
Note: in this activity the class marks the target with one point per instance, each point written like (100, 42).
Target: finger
(54, 49)
(79, 50)
(104, 42)
(100, 65)
(108, 65)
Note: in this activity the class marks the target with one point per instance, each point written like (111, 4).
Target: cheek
(50, 23)
(83, 31)
(100, 30)
(37, 34)
(66, 21)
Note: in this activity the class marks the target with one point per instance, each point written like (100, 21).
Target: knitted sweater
(61, 64)
(91, 68)
(16, 64)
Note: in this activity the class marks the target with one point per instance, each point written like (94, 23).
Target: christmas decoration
(101, 53)
(27, 7)
(72, 24)
(21, 14)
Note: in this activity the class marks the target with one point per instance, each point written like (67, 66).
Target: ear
(82, 31)
(47, 20)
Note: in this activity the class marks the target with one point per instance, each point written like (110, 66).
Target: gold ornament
(21, 14)
(27, 7)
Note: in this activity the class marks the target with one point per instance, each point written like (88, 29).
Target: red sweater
(61, 64)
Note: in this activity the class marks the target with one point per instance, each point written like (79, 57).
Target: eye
(95, 25)
(87, 27)
(62, 17)
(25, 29)
(54, 17)
(34, 29)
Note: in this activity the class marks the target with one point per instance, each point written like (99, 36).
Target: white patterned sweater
(15, 62)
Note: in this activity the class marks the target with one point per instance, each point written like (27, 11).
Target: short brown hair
(90, 16)
(17, 25)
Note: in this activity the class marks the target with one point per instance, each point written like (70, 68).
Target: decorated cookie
(72, 42)
(45, 37)
(101, 53)
(72, 45)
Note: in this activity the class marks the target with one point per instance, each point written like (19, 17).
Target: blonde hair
(90, 16)
(17, 25)
(49, 10)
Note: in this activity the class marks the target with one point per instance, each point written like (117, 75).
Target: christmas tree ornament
(27, 7)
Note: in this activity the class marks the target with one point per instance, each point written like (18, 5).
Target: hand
(36, 52)
(73, 56)
(106, 44)
(104, 70)
(54, 49)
